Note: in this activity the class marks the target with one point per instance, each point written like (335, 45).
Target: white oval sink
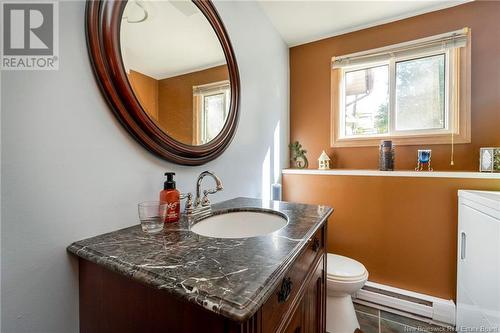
(239, 224)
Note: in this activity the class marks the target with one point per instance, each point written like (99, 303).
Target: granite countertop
(231, 277)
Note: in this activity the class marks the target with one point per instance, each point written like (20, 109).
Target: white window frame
(199, 94)
(391, 63)
(457, 96)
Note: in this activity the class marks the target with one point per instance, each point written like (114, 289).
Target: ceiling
(305, 21)
(149, 48)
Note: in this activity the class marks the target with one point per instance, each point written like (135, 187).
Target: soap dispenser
(171, 196)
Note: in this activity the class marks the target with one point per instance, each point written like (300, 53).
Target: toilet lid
(344, 268)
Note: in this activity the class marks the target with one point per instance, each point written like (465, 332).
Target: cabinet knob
(315, 244)
(285, 290)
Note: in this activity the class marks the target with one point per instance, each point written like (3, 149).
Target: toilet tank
(478, 263)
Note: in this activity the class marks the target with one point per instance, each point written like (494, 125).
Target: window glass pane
(420, 93)
(366, 101)
(215, 115)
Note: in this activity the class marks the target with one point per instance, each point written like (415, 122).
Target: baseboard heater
(408, 303)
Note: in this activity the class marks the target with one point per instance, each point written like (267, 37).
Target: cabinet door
(478, 294)
(314, 301)
(297, 322)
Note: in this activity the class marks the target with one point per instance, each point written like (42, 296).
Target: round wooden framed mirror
(169, 73)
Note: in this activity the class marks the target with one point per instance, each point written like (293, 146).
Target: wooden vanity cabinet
(307, 299)
(309, 315)
(110, 302)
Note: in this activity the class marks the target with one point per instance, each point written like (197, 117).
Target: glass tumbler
(152, 214)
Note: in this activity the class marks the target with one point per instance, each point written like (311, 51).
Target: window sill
(405, 173)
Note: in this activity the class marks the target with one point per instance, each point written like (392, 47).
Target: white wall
(69, 171)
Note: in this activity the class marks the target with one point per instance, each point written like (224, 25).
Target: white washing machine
(478, 271)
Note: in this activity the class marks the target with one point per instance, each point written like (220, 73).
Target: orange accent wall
(404, 230)
(146, 90)
(176, 100)
(310, 86)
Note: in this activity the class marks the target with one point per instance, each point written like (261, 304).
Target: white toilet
(345, 276)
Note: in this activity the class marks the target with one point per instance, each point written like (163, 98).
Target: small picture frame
(489, 159)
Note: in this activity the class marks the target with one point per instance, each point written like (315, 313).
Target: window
(366, 101)
(413, 93)
(211, 103)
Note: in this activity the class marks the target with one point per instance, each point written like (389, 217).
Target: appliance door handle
(463, 242)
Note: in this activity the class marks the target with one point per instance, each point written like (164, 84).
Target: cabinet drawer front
(281, 301)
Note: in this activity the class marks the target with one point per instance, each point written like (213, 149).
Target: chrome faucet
(218, 183)
(202, 204)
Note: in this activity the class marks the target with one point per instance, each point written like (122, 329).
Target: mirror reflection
(176, 68)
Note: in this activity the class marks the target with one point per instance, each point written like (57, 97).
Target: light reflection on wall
(276, 153)
(266, 176)
(273, 165)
